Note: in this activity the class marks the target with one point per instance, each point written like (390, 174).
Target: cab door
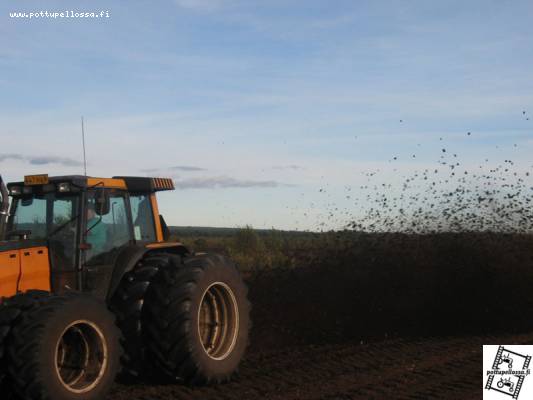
(9, 272)
(106, 236)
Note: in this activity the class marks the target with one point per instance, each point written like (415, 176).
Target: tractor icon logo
(506, 359)
(508, 372)
(506, 383)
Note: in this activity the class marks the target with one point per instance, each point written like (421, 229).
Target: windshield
(44, 215)
(50, 216)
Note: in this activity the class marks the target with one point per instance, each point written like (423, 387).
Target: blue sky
(270, 101)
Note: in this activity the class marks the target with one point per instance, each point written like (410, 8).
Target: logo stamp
(509, 370)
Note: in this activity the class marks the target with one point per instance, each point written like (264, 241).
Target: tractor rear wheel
(66, 349)
(196, 320)
(127, 304)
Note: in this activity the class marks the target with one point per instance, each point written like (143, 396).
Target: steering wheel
(21, 234)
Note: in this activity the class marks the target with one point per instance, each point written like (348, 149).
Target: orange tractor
(92, 287)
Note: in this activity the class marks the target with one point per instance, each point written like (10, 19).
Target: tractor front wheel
(66, 349)
(11, 310)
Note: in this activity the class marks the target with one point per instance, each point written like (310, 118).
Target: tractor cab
(68, 232)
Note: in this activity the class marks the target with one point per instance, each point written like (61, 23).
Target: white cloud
(223, 182)
(293, 167)
(182, 168)
(42, 160)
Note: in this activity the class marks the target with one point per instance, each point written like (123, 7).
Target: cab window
(30, 214)
(109, 232)
(143, 218)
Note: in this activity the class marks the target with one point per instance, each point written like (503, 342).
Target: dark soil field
(430, 368)
(379, 317)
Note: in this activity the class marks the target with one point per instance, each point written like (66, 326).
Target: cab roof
(130, 183)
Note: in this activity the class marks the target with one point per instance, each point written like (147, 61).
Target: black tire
(127, 304)
(10, 311)
(66, 349)
(179, 305)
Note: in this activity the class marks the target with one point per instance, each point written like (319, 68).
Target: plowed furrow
(438, 368)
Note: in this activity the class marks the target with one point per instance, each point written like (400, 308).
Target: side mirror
(4, 205)
(26, 201)
(102, 203)
(3, 192)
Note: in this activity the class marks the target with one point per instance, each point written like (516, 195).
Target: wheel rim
(81, 356)
(218, 321)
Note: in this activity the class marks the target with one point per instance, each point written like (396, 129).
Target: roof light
(63, 187)
(15, 191)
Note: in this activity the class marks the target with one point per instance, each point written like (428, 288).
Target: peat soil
(380, 316)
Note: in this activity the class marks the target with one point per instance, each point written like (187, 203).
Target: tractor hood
(24, 265)
(10, 245)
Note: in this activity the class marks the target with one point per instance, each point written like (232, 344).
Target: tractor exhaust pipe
(4, 205)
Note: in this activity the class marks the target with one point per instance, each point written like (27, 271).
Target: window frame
(152, 216)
